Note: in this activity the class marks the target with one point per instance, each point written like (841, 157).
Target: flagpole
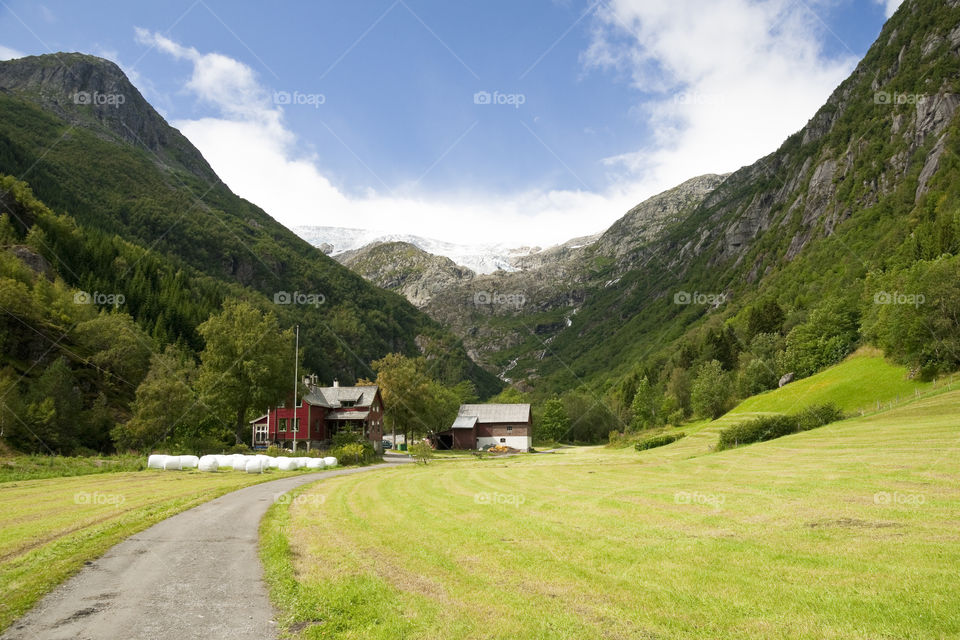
(296, 373)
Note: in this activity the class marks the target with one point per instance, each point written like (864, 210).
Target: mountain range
(340, 243)
(860, 192)
(783, 266)
(105, 196)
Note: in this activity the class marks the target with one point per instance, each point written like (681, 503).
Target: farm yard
(847, 531)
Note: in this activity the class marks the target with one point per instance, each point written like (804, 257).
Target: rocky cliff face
(406, 269)
(86, 90)
(497, 312)
(862, 167)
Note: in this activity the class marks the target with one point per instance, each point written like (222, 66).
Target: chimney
(336, 383)
(306, 381)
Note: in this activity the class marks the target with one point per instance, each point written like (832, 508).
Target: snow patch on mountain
(480, 258)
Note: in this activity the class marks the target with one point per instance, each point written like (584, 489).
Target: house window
(261, 433)
(295, 424)
(283, 424)
(509, 429)
(347, 403)
(503, 439)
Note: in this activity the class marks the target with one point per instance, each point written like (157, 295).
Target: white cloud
(890, 6)
(6, 53)
(733, 77)
(730, 80)
(254, 153)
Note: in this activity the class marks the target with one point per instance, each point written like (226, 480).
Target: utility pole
(296, 373)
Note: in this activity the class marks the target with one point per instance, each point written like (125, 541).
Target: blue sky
(593, 106)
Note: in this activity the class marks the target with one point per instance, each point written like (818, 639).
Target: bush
(658, 441)
(239, 448)
(677, 418)
(421, 452)
(769, 427)
(342, 438)
(360, 453)
(818, 415)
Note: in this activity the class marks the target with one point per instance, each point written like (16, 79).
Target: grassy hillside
(864, 383)
(147, 218)
(845, 532)
(851, 227)
(858, 383)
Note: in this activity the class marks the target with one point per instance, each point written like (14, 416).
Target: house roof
(347, 415)
(464, 422)
(260, 419)
(486, 413)
(333, 397)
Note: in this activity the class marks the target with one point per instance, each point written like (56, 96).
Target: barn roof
(464, 422)
(486, 413)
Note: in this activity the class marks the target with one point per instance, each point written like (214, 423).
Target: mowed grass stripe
(779, 539)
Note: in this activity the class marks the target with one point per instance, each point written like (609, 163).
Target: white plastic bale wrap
(254, 465)
(172, 463)
(330, 461)
(208, 463)
(156, 461)
(224, 461)
(274, 463)
(315, 463)
(189, 462)
(286, 464)
(239, 463)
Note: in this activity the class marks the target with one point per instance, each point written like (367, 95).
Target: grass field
(851, 531)
(858, 383)
(49, 528)
(36, 467)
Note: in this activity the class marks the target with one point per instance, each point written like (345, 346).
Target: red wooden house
(319, 414)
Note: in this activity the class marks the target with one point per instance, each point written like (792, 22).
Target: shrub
(360, 453)
(658, 441)
(239, 448)
(421, 452)
(342, 438)
(775, 426)
(677, 418)
(818, 415)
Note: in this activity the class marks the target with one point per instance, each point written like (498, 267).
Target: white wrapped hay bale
(315, 463)
(273, 463)
(286, 464)
(172, 463)
(330, 461)
(302, 462)
(239, 463)
(156, 461)
(208, 463)
(224, 461)
(254, 465)
(189, 462)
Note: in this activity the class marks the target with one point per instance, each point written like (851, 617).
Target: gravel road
(194, 575)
